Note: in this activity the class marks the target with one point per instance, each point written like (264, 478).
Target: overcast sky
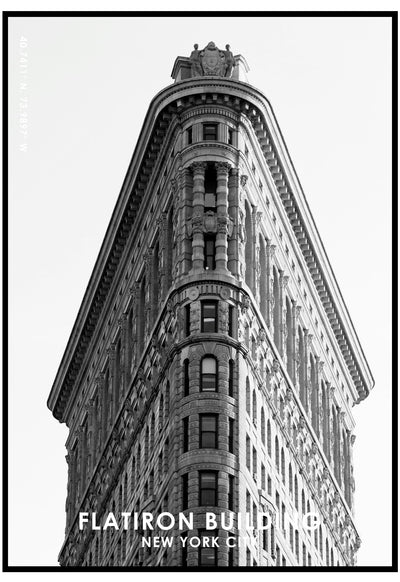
(89, 84)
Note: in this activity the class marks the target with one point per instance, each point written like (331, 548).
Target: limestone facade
(213, 358)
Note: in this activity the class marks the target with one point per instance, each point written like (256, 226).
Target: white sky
(90, 81)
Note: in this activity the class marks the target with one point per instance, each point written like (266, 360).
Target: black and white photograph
(199, 214)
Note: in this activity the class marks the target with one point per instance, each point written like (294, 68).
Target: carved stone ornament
(193, 293)
(212, 61)
(243, 180)
(210, 222)
(245, 303)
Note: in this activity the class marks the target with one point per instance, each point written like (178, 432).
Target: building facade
(213, 365)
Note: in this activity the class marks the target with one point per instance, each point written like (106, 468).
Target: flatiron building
(213, 365)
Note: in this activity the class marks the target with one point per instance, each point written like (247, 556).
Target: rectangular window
(186, 377)
(185, 423)
(230, 136)
(207, 555)
(185, 491)
(189, 133)
(254, 463)
(231, 428)
(230, 321)
(209, 320)
(209, 253)
(184, 536)
(208, 374)
(208, 431)
(230, 557)
(208, 487)
(231, 481)
(210, 131)
(187, 320)
(230, 381)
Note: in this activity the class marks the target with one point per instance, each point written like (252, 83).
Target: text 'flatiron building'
(213, 365)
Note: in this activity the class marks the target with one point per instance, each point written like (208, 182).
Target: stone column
(233, 210)
(112, 383)
(253, 243)
(135, 292)
(103, 399)
(221, 244)
(162, 224)
(352, 439)
(124, 359)
(283, 282)
(318, 369)
(294, 321)
(82, 436)
(307, 341)
(92, 427)
(326, 421)
(296, 352)
(70, 502)
(270, 251)
(185, 198)
(241, 229)
(257, 266)
(341, 447)
(149, 304)
(199, 169)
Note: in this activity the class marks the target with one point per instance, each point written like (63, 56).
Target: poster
(80, 88)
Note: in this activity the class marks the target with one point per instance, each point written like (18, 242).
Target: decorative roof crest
(212, 61)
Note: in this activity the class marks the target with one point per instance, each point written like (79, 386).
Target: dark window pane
(209, 383)
(210, 131)
(208, 488)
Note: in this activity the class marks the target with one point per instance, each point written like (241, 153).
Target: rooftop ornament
(212, 61)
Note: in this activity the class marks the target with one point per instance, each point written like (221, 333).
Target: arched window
(269, 446)
(262, 426)
(208, 375)
(277, 453)
(254, 407)
(186, 377)
(247, 395)
(230, 379)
